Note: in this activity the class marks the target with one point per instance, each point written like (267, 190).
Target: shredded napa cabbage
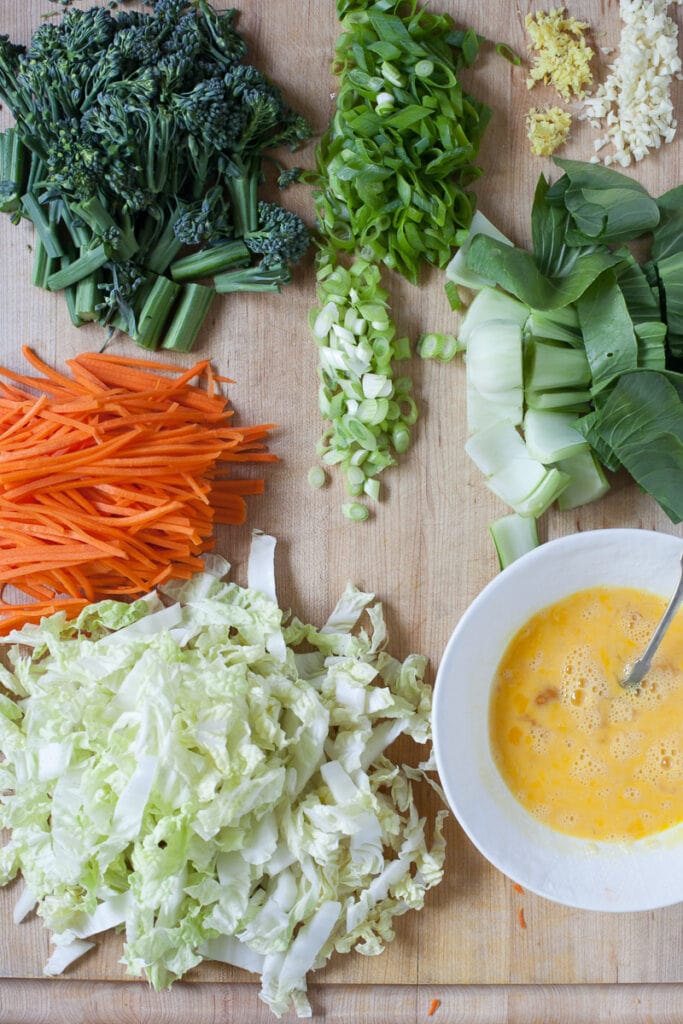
(212, 780)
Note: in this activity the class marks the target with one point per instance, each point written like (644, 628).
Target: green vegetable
(394, 166)
(214, 781)
(491, 304)
(370, 409)
(552, 436)
(609, 337)
(457, 271)
(640, 421)
(604, 205)
(513, 536)
(603, 338)
(437, 345)
(140, 152)
(587, 480)
(511, 472)
(356, 512)
(316, 476)
(494, 365)
(517, 272)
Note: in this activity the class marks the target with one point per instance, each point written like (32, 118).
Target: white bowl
(638, 875)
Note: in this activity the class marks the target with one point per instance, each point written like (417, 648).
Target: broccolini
(141, 139)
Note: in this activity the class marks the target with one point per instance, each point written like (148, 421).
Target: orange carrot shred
(433, 1007)
(521, 918)
(112, 478)
(517, 887)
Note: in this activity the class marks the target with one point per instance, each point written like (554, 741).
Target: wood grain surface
(425, 552)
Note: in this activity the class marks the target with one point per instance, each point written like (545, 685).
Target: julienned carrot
(112, 477)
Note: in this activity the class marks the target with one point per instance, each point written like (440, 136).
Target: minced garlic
(634, 106)
(562, 57)
(547, 129)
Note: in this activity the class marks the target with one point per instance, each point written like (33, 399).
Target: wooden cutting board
(426, 551)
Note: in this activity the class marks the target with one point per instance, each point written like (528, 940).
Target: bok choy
(601, 337)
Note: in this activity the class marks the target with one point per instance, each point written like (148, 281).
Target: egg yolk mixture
(581, 753)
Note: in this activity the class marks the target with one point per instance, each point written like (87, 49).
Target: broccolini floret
(281, 236)
(154, 123)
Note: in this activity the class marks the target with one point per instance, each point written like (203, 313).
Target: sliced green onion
(429, 346)
(507, 53)
(450, 346)
(359, 393)
(316, 476)
(400, 438)
(371, 488)
(373, 411)
(356, 512)
(453, 296)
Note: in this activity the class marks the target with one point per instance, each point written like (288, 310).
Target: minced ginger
(547, 129)
(562, 56)
(561, 59)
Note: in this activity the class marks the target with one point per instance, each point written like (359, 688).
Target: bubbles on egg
(591, 762)
(586, 767)
(624, 745)
(636, 626)
(583, 687)
(663, 763)
(540, 739)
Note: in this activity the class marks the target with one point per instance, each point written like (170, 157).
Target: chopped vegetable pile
(578, 344)
(112, 478)
(370, 409)
(395, 163)
(177, 770)
(139, 134)
(391, 190)
(561, 56)
(633, 107)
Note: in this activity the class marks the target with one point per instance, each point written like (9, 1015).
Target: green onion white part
(370, 410)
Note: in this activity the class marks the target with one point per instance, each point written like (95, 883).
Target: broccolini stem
(155, 312)
(211, 261)
(253, 279)
(87, 296)
(45, 228)
(119, 238)
(243, 189)
(192, 310)
(43, 265)
(164, 250)
(70, 294)
(89, 261)
(13, 165)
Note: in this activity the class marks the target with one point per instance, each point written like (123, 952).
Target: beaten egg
(582, 754)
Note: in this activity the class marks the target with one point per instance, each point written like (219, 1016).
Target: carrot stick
(112, 477)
